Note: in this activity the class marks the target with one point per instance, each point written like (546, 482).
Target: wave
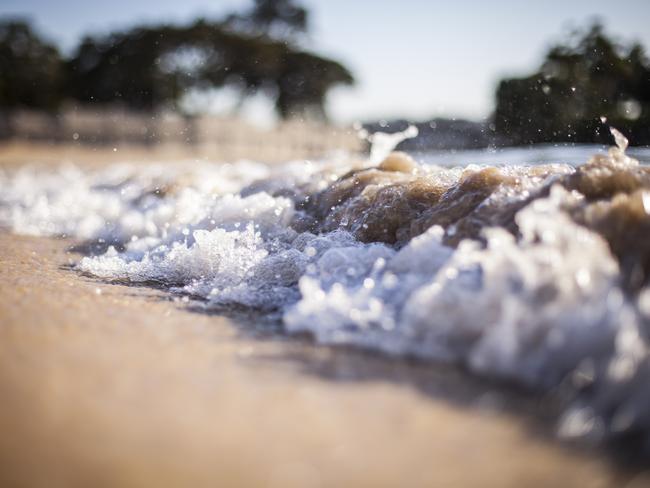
(534, 274)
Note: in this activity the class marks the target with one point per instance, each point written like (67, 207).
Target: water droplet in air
(621, 140)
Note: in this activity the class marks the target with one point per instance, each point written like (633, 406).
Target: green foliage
(274, 18)
(589, 77)
(149, 67)
(31, 73)
(125, 67)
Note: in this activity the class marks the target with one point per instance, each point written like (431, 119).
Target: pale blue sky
(412, 58)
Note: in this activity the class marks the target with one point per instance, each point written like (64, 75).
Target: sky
(413, 59)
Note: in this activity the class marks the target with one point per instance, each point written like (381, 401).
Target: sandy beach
(105, 384)
(269, 243)
(112, 385)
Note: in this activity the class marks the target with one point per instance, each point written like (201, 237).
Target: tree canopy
(147, 67)
(274, 18)
(31, 72)
(588, 77)
(152, 66)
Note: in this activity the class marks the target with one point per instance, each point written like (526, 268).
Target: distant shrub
(588, 77)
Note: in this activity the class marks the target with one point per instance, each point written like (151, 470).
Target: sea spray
(534, 274)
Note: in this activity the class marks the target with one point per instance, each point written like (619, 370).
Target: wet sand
(112, 385)
(15, 154)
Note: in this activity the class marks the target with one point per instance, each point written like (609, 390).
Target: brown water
(398, 201)
(532, 275)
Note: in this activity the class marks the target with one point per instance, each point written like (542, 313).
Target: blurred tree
(303, 82)
(30, 68)
(149, 67)
(127, 67)
(589, 77)
(274, 18)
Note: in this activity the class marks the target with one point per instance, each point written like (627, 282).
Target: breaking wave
(534, 274)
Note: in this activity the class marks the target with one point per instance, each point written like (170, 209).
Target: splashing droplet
(382, 143)
(620, 139)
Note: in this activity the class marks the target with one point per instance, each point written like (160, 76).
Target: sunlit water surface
(531, 272)
(574, 154)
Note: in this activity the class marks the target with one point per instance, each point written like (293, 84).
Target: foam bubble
(515, 272)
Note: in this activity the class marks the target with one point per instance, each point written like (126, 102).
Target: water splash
(620, 139)
(382, 143)
(618, 152)
(517, 272)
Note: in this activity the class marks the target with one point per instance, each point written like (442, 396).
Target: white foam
(521, 309)
(529, 309)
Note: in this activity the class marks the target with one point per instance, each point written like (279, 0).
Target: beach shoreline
(117, 385)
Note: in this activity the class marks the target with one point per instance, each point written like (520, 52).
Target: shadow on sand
(442, 382)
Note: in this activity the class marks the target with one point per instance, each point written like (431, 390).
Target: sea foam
(513, 272)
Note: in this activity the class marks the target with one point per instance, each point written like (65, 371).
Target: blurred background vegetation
(155, 66)
(586, 78)
(583, 80)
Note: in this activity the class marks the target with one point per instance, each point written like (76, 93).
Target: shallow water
(533, 273)
(573, 154)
